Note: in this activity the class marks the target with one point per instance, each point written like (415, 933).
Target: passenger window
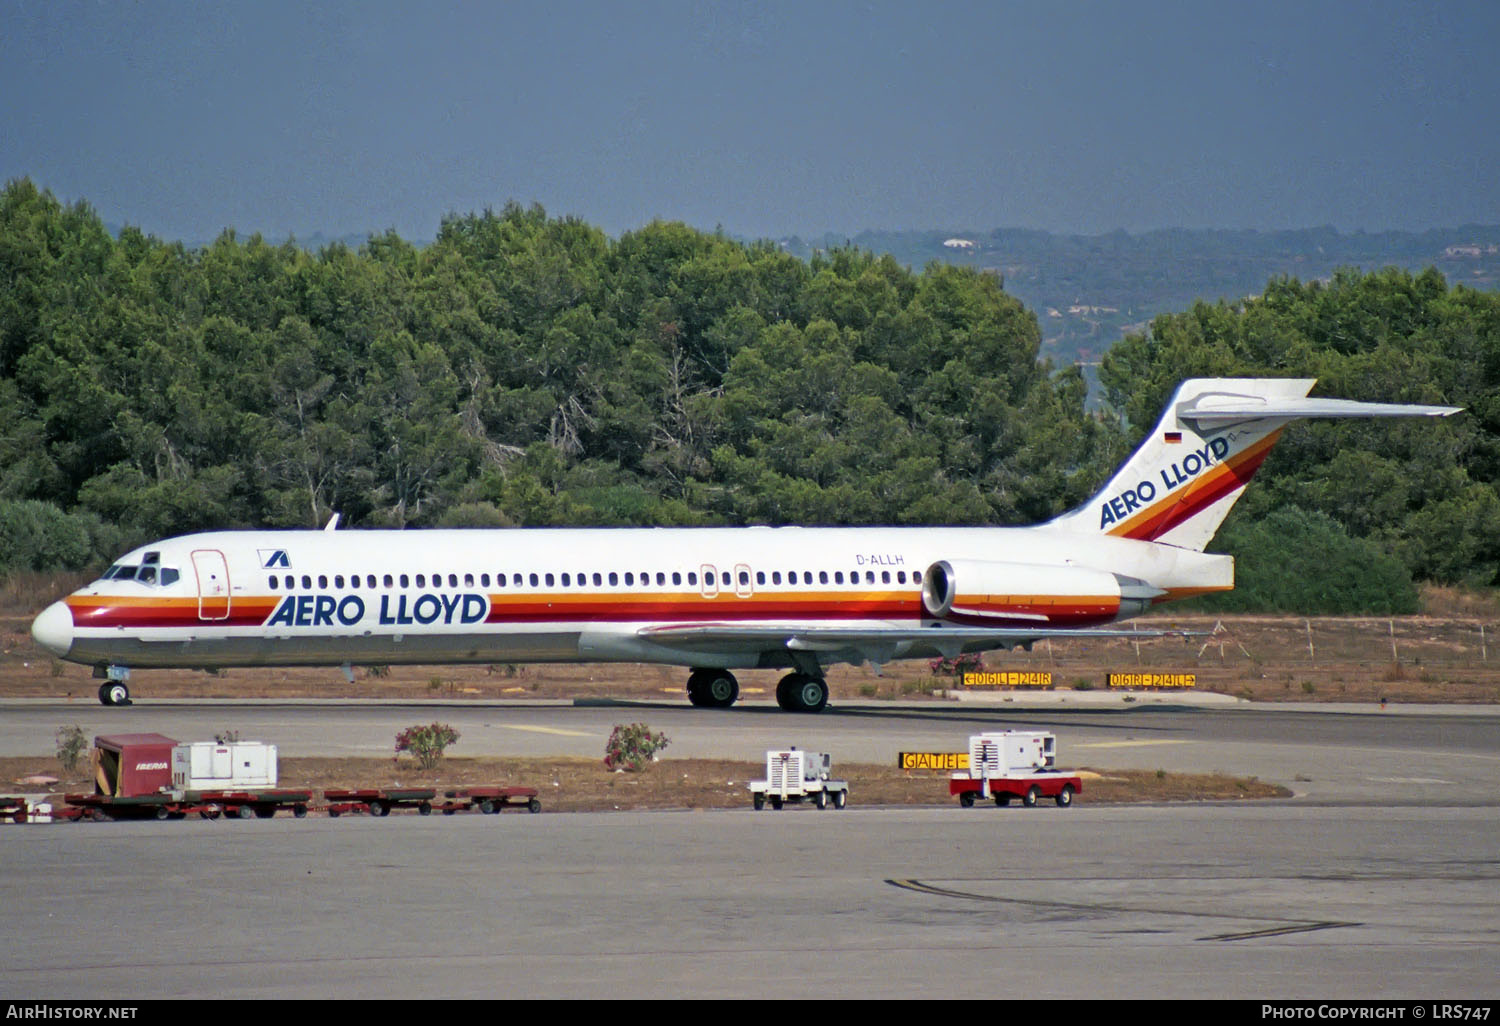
(453, 580)
(885, 577)
(306, 583)
(676, 577)
(760, 577)
(775, 576)
(549, 580)
(405, 581)
(692, 578)
(273, 582)
(421, 580)
(338, 580)
(388, 582)
(838, 577)
(566, 580)
(614, 579)
(661, 579)
(744, 577)
(629, 578)
(598, 581)
(484, 580)
(468, 580)
(533, 580)
(370, 581)
(516, 580)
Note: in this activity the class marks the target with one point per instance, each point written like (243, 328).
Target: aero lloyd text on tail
(1212, 437)
(712, 599)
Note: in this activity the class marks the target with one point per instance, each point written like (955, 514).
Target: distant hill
(1088, 291)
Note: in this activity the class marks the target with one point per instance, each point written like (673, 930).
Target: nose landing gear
(114, 691)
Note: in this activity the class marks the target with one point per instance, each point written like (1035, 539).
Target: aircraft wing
(874, 644)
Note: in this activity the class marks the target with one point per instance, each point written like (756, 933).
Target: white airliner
(713, 599)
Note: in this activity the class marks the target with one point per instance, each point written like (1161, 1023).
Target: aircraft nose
(53, 628)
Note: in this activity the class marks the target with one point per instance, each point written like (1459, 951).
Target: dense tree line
(522, 369)
(1425, 493)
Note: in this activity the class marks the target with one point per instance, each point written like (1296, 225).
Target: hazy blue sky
(765, 118)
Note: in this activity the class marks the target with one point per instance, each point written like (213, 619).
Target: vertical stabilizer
(1213, 436)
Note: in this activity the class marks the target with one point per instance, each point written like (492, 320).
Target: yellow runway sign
(1152, 680)
(1008, 679)
(933, 760)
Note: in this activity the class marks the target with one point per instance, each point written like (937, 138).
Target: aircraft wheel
(812, 694)
(799, 692)
(114, 693)
(721, 690)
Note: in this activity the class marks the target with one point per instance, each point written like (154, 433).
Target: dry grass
(575, 785)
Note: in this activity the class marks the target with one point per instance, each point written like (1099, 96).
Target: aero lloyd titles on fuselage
(1173, 476)
(424, 609)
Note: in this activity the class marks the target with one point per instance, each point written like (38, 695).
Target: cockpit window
(150, 572)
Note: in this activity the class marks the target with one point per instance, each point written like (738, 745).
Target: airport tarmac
(1379, 880)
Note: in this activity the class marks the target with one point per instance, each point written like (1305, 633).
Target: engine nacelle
(981, 592)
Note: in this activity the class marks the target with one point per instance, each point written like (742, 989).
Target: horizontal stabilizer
(1215, 409)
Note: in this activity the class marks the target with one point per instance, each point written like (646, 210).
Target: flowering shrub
(632, 747)
(427, 743)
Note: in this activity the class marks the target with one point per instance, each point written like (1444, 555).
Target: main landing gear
(717, 689)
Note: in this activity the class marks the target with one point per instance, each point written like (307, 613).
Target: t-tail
(1213, 436)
